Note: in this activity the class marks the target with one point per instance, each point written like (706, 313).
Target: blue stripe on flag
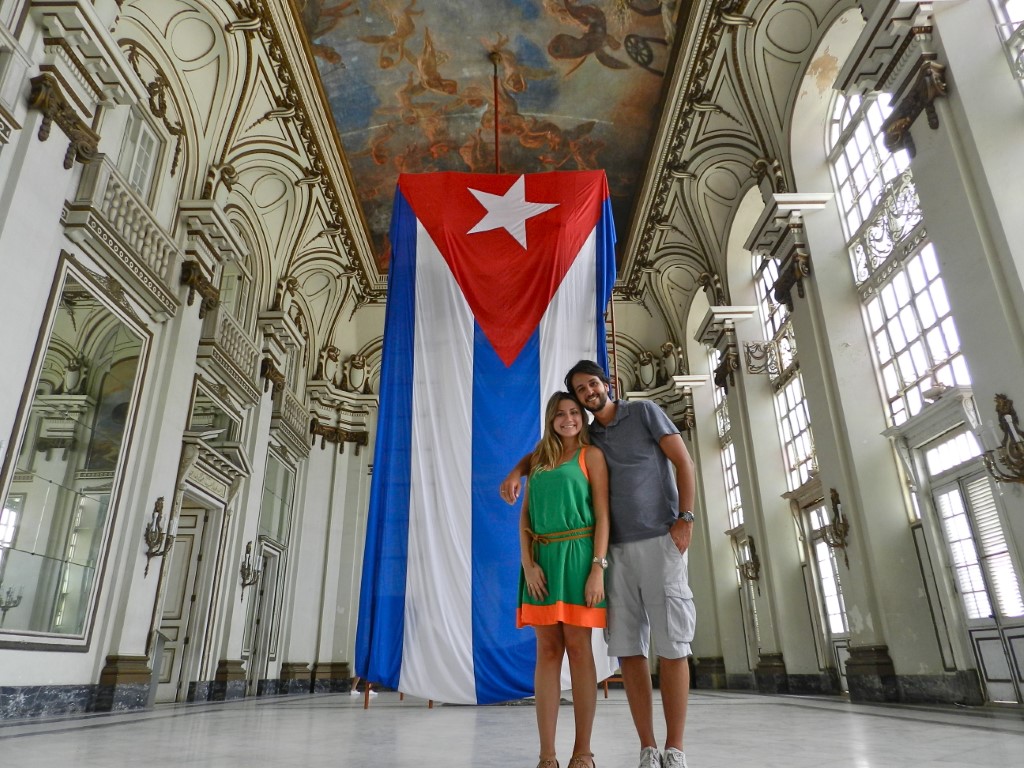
(505, 406)
(605, 254)
(382, 616)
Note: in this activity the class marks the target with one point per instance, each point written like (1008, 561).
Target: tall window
(828, 573)
(895, 267)
(1010, 14)
(728, 450)
(790, 403)
(276, 507)
(139, 154)
(234, 291)
(985, 573)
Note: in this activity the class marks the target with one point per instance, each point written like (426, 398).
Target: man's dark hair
(588, 367)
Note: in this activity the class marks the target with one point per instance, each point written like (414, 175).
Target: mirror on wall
(73, 443)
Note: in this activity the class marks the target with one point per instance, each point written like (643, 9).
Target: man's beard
(602, 401)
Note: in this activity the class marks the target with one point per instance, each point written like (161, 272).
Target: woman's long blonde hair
(549, 449)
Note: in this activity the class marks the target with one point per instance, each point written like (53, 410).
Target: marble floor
(724, 729)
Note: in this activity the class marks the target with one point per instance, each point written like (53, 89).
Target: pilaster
(229, 680)
(296, 677)
(332, 677)
(125, 683)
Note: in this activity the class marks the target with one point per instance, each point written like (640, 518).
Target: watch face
(686, 517)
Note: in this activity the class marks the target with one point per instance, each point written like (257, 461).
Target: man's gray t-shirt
(643, 497)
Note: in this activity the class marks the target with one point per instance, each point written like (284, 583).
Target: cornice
(684, 99)
(692, 68)
(882, 54)
(205, 221)
(79, 44)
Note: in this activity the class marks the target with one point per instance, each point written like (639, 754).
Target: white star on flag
(509, 211)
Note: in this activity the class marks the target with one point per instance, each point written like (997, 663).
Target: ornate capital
(192, 276)
(271, 374)
(792, 272)
(929, 84)
(337, 435)
(46, 96)
(713, 287)
(725, 373)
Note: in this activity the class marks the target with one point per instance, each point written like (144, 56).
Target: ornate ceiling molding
(693, 65)
(300, 84)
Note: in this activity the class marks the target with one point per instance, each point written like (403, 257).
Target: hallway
(725, 729)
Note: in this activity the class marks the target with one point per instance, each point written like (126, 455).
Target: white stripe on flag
(568, 333)
(568, 329)
(437, 658)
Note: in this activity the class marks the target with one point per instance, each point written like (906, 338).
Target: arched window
(728, 453)
(794, 425)
(895, 267)
(787, 386)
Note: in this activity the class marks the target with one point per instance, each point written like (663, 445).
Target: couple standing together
(610, 501)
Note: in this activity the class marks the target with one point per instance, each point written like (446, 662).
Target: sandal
(580, 761)
(548, 762)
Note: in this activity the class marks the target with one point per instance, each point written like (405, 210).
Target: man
(651, 527)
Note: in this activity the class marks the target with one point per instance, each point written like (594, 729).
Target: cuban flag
(497, 285)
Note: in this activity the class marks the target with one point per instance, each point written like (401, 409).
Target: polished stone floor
(724, 729)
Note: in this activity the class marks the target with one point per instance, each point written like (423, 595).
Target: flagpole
(495, 57)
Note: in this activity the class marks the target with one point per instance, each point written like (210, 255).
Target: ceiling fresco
(415, 85)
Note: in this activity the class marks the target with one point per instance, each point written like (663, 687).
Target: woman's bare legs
(547, 685)
(584, 686)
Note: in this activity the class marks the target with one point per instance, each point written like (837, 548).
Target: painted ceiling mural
(412, 88)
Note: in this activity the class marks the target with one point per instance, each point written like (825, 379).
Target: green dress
(562, 518)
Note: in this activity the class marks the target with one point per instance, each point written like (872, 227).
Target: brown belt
(557, 536)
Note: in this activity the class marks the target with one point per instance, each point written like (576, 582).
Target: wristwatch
(686, 517)
(602, 561)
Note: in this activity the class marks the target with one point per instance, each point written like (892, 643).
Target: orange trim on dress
(583, 463)
(528, 615)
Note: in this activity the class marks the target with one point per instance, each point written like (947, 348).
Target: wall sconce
(250, 569)
(837, 533)
(1004, 460)
(8, 601)
(750, 569)
(158, 543)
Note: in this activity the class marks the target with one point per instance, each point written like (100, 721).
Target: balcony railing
(291, 417)
(109, 213)
(232, 351)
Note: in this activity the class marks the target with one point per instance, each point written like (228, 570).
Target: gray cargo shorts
(649, 598)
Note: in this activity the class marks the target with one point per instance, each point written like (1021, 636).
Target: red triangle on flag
(508, 287)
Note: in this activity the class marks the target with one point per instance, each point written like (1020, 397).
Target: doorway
(182, 606)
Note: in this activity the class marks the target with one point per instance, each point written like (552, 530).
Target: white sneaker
(650, 758)
(353, 692)
(674, 758)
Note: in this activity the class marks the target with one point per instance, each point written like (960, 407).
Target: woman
(564, 542)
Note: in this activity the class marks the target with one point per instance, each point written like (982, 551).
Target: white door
(988, 583)
(179, 602)
(263, 620)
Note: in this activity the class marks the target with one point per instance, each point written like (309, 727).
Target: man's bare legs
(636, 678)
(674, 677)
